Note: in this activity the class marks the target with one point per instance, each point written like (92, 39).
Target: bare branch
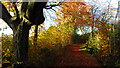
(52, 5)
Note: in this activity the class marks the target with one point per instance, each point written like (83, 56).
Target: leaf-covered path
(73, 56)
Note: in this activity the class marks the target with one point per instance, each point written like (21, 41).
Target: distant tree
(76, 13)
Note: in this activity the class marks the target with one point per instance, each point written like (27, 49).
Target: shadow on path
(74, 56)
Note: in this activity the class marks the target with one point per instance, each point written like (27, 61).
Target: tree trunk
(35, 35)
(74, 36)
(20, 43)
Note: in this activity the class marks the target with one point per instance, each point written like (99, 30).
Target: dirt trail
(73, 56)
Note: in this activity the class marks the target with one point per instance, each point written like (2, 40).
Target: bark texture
(28, 16)
(20, 42)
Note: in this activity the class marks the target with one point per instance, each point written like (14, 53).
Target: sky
(3, 25)
(50, 16)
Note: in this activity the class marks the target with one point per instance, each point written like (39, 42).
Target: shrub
(6, 48)
(41, 56)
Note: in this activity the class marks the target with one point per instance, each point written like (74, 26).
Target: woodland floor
(74, 56)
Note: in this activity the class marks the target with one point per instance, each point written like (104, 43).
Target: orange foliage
(76, 13)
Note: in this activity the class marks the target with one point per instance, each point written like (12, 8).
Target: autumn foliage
(71, 18)
(80, 15)
(76, 13)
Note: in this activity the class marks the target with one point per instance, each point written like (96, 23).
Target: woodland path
(74, 56)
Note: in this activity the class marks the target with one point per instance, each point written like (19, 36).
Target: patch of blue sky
(50, 16)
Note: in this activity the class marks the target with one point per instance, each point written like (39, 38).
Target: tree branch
(6, 16)
(24, 8)
(52, 5)
(16, 10)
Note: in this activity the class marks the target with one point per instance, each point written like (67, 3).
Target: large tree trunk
(20, 41)
(21, 28)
